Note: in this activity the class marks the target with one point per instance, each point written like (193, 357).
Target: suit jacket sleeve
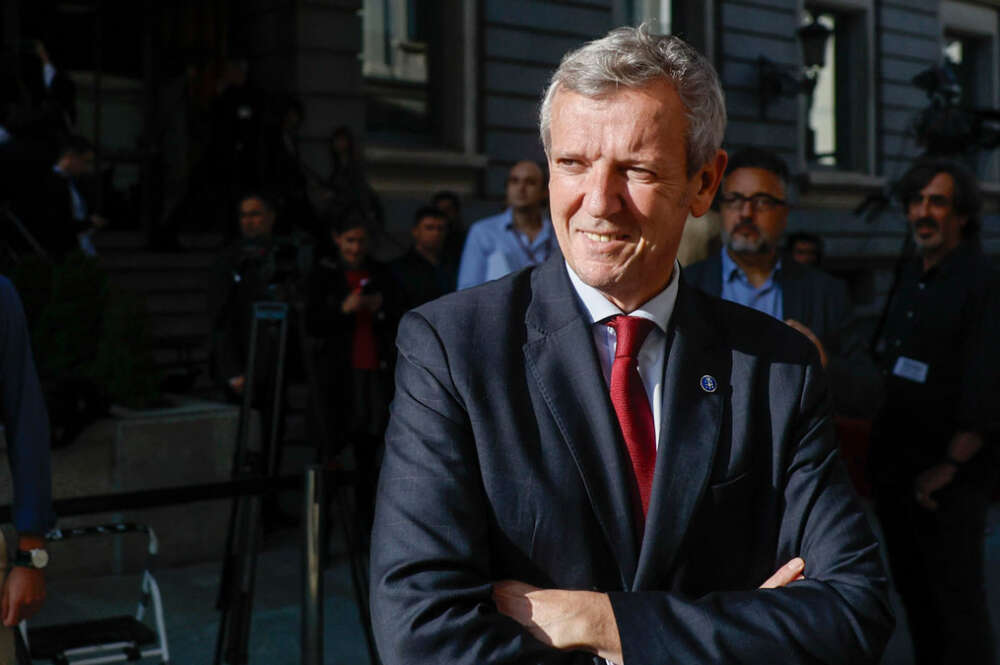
(838, 614)
(430, 584)
(22, 407)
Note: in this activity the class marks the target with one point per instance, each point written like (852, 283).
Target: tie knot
(631, 332)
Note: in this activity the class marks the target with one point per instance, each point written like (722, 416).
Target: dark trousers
(936, 558)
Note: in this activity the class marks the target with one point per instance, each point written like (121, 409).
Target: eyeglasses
(758, 202)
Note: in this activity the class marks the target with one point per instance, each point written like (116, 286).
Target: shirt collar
(508, 221)
(730, 269)
(657, 309)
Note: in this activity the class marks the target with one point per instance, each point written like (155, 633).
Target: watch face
(39, 558)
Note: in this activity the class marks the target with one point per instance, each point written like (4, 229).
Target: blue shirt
(25, 420)
(737, 288)
(494, 248)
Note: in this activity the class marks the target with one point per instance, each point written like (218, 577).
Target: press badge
(911, 369)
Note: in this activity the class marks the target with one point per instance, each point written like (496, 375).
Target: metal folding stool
(113, 639)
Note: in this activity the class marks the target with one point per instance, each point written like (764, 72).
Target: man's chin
(748, 248)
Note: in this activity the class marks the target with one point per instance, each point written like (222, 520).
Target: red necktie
(628, 396)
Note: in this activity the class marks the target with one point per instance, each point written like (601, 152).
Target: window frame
(980, 24)
(855, 56)
(697, 21)
(453, 116)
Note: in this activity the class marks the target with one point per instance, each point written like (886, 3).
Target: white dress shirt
(653, 352)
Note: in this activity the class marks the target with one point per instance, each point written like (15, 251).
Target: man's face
(353, 246)
(805, 252)
(429, 234)
(525, 189)
(754, 214)
(256, 218)
(619, 190)
(936, 226)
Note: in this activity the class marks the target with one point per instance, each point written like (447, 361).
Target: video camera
(946, 129)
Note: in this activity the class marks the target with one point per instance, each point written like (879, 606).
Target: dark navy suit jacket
(504, 460)
(820, 302)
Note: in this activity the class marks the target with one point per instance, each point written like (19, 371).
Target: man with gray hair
(590, 459)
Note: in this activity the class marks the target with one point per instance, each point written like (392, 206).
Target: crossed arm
(584, 620)
(436, 596)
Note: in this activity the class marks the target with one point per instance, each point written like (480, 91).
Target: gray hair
(633, 58)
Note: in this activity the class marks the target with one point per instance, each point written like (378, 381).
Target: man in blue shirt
(749, 270)
(519, 237)
(26, 427)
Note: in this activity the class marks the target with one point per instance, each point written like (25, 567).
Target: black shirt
(941, 322)
(420, 280)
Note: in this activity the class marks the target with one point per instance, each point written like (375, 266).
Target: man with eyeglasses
(750, 270)
(934, 443)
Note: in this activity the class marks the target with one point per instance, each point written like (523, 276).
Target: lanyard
(546, 246)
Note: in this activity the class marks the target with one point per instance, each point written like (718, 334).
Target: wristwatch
(35, 558)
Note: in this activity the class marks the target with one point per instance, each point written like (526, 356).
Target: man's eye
(640, 173)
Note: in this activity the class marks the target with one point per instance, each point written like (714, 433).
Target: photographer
(257, 267)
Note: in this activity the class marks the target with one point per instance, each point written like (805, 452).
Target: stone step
(157, 261)
(188, 356)
(165, 281)
(177, 302)
(117, 241)
(180, 326)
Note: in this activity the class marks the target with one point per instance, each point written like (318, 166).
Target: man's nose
(604, 195)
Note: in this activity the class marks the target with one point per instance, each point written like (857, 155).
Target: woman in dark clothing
(351, 313)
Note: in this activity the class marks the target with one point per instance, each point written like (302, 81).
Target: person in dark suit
(52, 205)
(750, 270)
(257, 267)
(590, 458)
(426, 271)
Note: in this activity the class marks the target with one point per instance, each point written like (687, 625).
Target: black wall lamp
(776, 80)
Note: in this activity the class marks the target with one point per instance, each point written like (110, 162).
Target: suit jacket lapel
(560, 355)
(689, 432)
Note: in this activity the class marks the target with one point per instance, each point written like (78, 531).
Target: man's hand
(790, 572)
(584, 620)
(98, 221)
(930, 481)
(238, 383)
(804, 329)
(565, 620)
(353, 302)
(23, 594)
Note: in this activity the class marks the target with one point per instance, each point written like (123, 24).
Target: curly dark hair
(967, 199)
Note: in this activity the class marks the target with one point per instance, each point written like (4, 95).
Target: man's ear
(705, 183)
